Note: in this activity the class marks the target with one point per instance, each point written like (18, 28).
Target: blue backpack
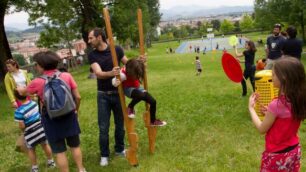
(57, 96)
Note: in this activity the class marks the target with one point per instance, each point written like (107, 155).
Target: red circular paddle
(232, 68)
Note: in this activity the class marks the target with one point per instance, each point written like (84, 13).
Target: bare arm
(237, 53)
(102, 74)
(77, 97)
(262, 126)
(267, 48)
(267, 52)
(124, 60)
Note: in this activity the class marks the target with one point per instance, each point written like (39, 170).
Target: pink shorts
(281, 162)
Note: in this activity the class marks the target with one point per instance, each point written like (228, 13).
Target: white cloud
(17, 20)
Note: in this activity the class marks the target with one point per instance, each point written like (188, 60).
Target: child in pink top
(283, 117)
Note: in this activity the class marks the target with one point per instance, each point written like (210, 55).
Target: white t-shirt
(19, 78)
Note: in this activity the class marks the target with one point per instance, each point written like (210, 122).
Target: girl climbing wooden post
(131, 152)
(146, 116)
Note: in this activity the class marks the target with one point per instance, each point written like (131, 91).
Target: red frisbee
(232, 68)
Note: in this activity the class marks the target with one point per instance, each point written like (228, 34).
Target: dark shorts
(199, 70)
(60, 145)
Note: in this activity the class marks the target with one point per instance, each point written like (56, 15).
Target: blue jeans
(106, 104)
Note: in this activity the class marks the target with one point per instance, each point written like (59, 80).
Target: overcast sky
(19, 20)
(166, 4)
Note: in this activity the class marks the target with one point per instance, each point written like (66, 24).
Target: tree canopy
(292, 12)
(66, 20)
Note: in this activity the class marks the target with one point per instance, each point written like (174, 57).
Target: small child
(130, 77)
(29, 121)
(198, 65)
(283, 117)
(260, 64)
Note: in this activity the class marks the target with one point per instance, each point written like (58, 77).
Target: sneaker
(104, 161)
(51, 164)
(120, 153)
(131, 113)
(158, 123)
(34, 169)
(84, 170)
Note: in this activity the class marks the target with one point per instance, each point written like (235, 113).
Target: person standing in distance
(274, 46)
(292, 46)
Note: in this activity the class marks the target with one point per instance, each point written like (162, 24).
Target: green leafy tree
(20, 59)
(154, 17)
(237, 26)
(167, 36)
(124, 20)
(267, 13)
(246, 23)
(203, 29)
(216, 24)
(226, 26)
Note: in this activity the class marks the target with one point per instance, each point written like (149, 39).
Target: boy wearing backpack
(28, 117)
(60, 122)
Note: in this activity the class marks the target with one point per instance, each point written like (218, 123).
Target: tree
(226, 26)
(246, 23)
(67, 20)
(20, 59)
(203, 29)
(124, 20)
(5, 52)
(237, 26)
(154, 17)
(216, 24)
(61, 27)
(267, 13)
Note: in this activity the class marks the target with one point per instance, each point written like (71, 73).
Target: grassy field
(209, 127)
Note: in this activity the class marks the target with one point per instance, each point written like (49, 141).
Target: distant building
(65, 53)
(79, 46)
(27, 52)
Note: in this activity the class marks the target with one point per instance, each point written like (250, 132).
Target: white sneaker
(104, 161)
(120, 153)
(131, 113)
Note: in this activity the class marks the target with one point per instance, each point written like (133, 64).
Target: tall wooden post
(131, 152)
(146, 116)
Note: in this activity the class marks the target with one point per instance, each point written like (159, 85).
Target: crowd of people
(55, 134)
(284, 114)
(282, 120)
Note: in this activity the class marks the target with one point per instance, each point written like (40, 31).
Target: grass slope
(209, 128)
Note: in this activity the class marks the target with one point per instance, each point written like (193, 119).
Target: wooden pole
(146, 116)
(131, 152)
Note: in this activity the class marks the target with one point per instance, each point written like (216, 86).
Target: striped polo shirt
(28, 113)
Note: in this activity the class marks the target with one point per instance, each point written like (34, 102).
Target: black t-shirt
(275, 44)
(293, 47)
(249, 58)
(104, 59)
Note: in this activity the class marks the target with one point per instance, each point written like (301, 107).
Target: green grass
(209, 127)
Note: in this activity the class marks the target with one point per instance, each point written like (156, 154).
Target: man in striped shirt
(29, 121)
